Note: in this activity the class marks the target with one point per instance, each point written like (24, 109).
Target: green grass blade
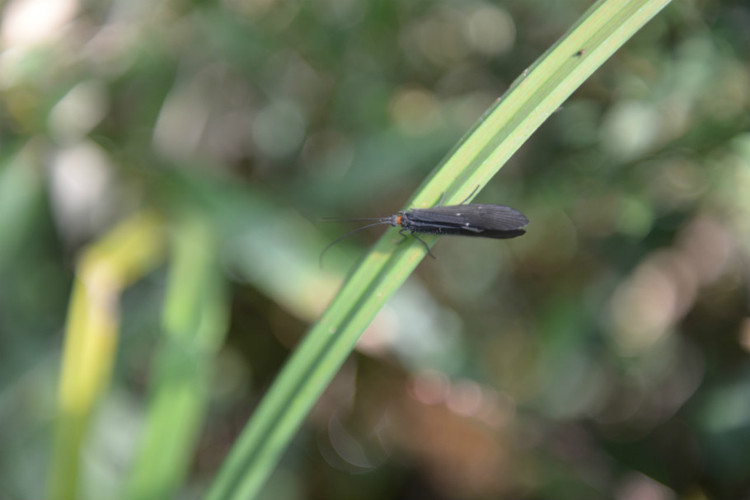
(532, 98)
(194, 321)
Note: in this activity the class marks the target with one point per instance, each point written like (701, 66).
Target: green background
(602, 355)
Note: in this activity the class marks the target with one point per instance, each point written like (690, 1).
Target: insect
(478, 220)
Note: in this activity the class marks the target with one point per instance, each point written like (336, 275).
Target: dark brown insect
(478, 220)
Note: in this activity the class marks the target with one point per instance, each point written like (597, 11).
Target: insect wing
(497, 218)
(497, 221)
(438, 216)
(477, 220)
(474, 217)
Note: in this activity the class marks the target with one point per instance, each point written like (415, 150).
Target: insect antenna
(380, 221)
(356, 219)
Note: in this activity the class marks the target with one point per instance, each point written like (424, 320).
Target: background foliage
(602, 355)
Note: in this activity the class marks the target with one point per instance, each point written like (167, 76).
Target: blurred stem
(533, 97)
(22, 198)
(194, 321)
(105, 268)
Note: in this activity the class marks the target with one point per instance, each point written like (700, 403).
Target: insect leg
(470, 195)
(425, 246)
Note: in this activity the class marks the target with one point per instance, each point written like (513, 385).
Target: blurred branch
(21, 199)
(106, 267)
